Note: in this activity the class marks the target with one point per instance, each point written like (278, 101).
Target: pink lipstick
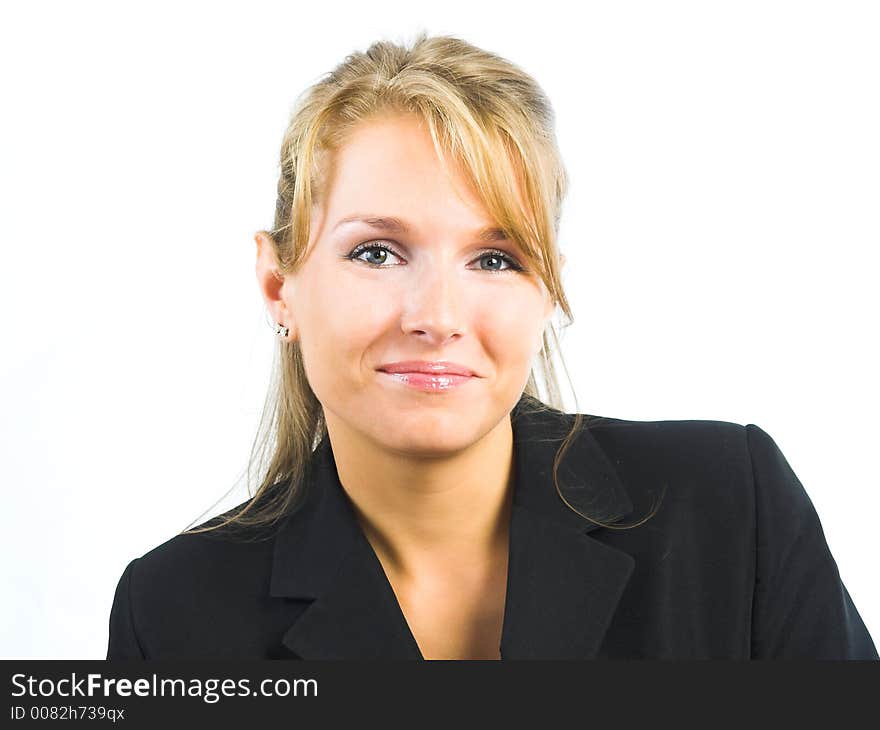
(428, 376)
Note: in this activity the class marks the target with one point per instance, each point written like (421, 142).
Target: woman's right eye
(372, 249)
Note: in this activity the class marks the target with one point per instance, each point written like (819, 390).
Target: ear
(271, 283)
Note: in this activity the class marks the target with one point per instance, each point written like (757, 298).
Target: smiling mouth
(429, 383)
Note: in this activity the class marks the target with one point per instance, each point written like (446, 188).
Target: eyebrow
(396, 225)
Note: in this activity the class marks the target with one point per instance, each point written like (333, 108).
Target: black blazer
(734, 564)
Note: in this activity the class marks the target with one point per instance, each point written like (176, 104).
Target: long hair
(483, 112)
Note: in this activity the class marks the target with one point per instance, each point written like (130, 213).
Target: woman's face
(436, 294)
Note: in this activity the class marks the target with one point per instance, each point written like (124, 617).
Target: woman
(422, 498)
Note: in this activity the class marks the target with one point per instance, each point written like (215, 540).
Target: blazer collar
(563, 585)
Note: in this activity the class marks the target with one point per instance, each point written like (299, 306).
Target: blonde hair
(483, 112)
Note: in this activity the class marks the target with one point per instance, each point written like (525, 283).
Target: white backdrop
(721, 237)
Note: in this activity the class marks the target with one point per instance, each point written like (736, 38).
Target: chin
(429, 443)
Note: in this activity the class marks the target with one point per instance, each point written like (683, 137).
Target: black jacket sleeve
(801, 609)
(123, 643)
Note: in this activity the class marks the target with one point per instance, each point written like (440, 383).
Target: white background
(721, 234)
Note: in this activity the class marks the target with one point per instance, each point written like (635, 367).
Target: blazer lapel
(563, 585)
(321, 553)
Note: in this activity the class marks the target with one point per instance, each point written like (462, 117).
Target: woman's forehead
(386, 177)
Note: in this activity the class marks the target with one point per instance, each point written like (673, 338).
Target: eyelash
(513, 266)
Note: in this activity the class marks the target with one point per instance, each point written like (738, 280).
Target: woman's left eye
(501, 256)
(371, 248)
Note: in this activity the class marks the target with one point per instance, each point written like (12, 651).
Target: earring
(281, 330)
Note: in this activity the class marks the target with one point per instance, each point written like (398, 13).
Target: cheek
(510, 327)
(512, 322)
(338, 322)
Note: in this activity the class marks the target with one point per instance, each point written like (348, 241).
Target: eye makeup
(512, 264)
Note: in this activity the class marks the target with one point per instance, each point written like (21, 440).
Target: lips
(427, 367)
(429, 376)
(429, 383)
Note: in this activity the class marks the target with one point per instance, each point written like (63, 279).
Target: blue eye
(501, 256)
(358, 251)
(370, 248)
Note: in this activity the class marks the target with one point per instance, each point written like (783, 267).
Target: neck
(428, 515)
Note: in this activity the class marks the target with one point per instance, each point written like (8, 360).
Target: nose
(434, 307)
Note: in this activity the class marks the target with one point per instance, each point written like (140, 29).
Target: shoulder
(702, 459)
(175, 598)
(699, 448)
(698, 444)
(685, 435)
(702, 466)
(191, 568)
(691, 428)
